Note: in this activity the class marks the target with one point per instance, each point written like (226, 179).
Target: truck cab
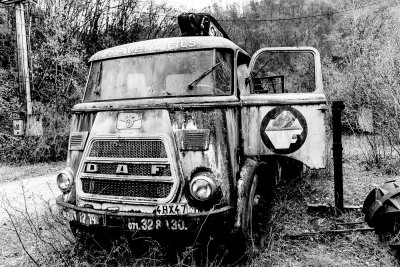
(190, 134)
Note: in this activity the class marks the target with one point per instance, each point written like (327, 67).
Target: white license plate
(174, 209)
(157, 224)
(70, 215)
(82, 217)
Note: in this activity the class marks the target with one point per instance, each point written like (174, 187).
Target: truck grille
(146, 164)
(128, 149)
(126, 188)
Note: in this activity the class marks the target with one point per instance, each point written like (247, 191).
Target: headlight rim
(211, 181)
(70, 174)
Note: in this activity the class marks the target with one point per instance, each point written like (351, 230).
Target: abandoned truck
(190, 134)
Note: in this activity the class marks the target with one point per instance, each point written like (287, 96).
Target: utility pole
(33, 123)
(23, 55)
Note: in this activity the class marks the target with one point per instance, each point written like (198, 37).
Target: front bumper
(213, 221)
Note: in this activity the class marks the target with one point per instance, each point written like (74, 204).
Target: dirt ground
(288, 243)
(18, 197)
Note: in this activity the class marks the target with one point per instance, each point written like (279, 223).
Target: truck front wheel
(258, 209)
(257, 217)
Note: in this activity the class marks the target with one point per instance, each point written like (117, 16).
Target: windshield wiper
(252, 75)
(98, 80)
(201, 76)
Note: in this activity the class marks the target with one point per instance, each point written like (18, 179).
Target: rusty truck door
(283, 105)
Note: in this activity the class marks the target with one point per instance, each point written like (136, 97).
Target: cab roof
(165, 45)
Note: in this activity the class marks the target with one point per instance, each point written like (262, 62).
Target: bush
(62, 38)
(364, 71)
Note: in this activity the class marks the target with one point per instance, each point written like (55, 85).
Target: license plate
(147, 224)
(175, 209)
(70, 215)
(82, 217)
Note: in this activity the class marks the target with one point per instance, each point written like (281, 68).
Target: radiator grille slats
(128, 149)
(126, 188)
(196, 140)
(76, 140)
(138, 158)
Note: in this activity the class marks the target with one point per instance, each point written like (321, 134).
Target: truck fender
(246, 176)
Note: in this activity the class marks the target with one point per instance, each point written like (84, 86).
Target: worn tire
(382, 208)
(258, 233)
(249, 241)
(261, 196)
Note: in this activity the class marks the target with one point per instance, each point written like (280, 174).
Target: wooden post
(33, 122)
(23, 55)
(337, 107)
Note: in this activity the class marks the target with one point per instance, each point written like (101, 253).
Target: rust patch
(81, 122)
(216, 157)
(312, 149)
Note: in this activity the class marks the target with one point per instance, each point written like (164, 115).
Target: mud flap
(382, 207)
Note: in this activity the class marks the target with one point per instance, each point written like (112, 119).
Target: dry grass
(39, 236)
(11, 172)
(291, 218)
(50, 243)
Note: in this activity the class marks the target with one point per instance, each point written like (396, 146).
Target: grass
(286, 248)
(291, 218)
(50, 242)
(11, 172)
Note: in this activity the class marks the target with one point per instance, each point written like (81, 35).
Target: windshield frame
(214, 50)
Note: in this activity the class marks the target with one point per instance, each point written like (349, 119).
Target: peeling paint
(80, 123)
(312, 152)
(217, 157)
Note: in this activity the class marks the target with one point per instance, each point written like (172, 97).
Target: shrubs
(364, 71)
(34, 149)
(62, 37)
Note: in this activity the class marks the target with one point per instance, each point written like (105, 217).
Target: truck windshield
(161, 75)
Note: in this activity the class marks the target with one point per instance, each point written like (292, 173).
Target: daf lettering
(122, 169)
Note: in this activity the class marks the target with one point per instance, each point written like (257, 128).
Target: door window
(277, 72)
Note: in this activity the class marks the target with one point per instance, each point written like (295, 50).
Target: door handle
(323, 109)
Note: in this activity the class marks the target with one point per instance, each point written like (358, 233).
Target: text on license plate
(174, 209)
(82, 217)
(149, 224)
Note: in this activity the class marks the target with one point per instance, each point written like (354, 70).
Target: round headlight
(202, 187)
(65, 179)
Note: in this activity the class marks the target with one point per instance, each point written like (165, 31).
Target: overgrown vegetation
(30, 225)
(63, 35)
(45, 239)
